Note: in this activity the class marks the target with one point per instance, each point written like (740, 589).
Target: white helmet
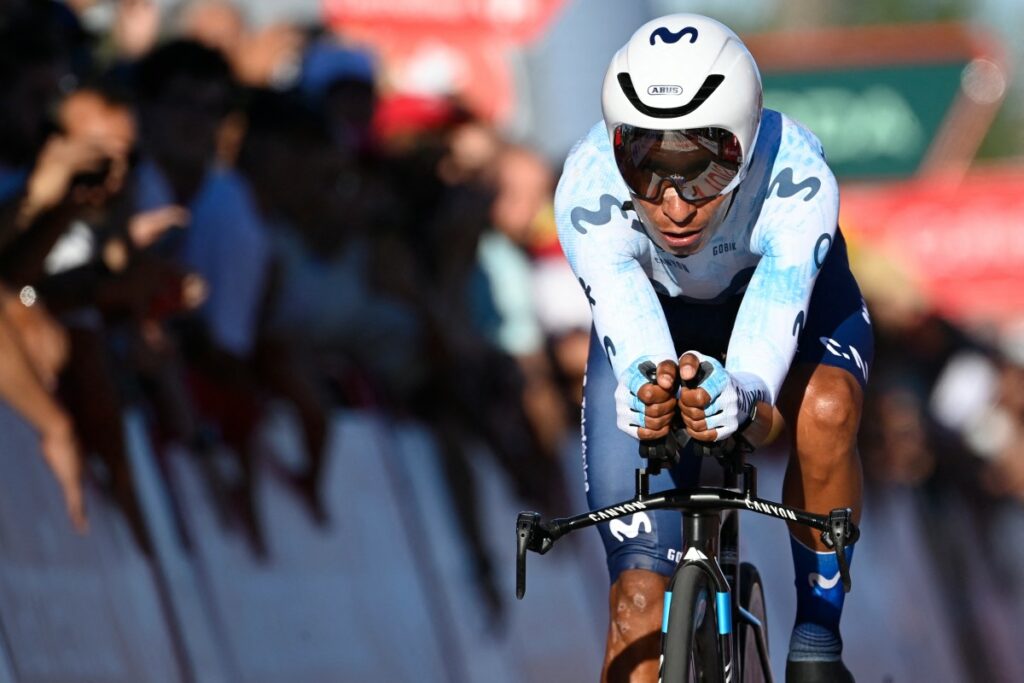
(683, 72)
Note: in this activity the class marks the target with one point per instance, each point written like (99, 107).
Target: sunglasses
(699, 163)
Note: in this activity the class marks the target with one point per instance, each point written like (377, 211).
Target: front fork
(701, 534)
(721, 561)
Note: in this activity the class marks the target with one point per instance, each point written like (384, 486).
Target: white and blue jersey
(771, 287)
(771, 245)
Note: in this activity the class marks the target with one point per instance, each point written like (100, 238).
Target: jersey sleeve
(605, 246)
(793, 235)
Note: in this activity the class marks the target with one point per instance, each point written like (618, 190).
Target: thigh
(838, 331)
(644, 540)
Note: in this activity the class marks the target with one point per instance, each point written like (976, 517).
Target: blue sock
(819, 604)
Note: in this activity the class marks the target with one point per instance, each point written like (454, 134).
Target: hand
(263, 55)
(61, 452)
(43, 340)
(147, 227)
(716, 408)
(60, 160)
(659, 402)
(136, 27)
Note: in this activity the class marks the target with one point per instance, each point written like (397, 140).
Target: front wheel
(752, 600)
(690, 648)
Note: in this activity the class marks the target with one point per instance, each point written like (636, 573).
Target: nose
(674, 206)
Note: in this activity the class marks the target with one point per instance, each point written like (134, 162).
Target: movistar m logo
(769, 509)
(785, 187)
(602, 216)
(816, 579)
(670, 37)
(798, 324)
(640, 523)
(665, 90)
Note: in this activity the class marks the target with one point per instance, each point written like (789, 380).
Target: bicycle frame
(711, 533)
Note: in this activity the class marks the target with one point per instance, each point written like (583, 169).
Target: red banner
(964, 242)
(476, 70)
(518, 21)
(436, 47)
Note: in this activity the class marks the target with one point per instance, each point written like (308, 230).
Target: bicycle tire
(752, 600)
(690, 647)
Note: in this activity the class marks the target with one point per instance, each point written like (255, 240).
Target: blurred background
(287, 339)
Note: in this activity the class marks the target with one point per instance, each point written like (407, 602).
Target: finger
(657, 423)
(706, 436)
(75, 502)
(696, 424)
(648, 434)
(688, 366)
(172, 216)
(660, 409)
(691, 413)
(146, 228)
(193, 291)
(653, 393)
(695, 398)
(667, 375)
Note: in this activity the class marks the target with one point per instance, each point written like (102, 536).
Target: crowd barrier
(385, 592)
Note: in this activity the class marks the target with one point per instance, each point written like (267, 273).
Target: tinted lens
(699, 163)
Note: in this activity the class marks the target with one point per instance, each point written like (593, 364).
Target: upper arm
(605, 245)
(793, 235)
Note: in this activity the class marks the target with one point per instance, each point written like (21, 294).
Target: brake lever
(841, 532)
(525, 525)
(531, 534)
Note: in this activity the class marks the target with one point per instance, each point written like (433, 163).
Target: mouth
(682, 239)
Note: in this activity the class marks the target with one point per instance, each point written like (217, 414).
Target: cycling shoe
(817, 672)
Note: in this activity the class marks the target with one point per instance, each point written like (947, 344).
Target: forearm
(21, 261)
(22, 389)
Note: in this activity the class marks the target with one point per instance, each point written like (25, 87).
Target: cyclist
(699, 223)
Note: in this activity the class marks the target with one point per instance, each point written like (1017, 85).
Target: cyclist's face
(678, 226)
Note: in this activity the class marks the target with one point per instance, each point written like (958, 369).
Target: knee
(832, 407)
(825, 437)
(637, 599)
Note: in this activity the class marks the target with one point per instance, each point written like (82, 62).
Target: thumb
(689, 363)
(667, 375)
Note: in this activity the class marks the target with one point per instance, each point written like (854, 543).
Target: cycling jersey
(778, 227)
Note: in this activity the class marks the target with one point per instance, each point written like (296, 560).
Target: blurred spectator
(136, 28)
(97, 275)
(185, 92)
(317, 303)
(35, 206)
(339, 82)
(524, 186)
(22, 389)
(267, 56)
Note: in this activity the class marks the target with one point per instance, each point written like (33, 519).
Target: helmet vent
(709, 86)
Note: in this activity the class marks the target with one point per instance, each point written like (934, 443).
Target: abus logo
(665, 90)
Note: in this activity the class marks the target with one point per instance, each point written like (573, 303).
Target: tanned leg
(822, 408)
(633, 650)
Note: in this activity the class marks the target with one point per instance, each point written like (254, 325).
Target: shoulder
(226, 196)
(226, 188)
(590, 170)
(799, 166)
(797, 194)
(591, 194)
